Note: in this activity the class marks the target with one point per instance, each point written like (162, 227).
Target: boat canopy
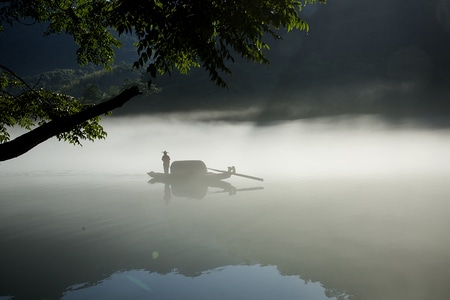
(187, 167)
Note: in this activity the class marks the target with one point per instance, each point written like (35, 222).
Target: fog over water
(323, 147)
(350, 208)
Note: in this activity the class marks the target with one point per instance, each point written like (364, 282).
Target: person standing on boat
(166, 162)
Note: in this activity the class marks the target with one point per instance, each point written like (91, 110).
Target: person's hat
(165, 152)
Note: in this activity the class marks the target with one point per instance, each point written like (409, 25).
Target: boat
(195, 170)
(192, 170)
(191, 178)
(169, 178)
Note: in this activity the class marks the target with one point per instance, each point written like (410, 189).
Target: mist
(347, 146)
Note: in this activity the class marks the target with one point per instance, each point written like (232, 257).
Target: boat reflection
(197, 188)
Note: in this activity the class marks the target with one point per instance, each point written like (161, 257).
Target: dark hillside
(386, 57)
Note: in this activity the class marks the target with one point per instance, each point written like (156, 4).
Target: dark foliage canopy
(172, 35)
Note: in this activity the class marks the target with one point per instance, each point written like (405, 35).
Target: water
(348, 210)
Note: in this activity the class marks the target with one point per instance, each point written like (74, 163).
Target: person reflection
(166, 162)
(167, 193)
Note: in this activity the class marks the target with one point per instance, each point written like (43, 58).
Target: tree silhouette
(172, 35)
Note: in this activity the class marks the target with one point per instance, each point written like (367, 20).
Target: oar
(250, 189)
(237, 174)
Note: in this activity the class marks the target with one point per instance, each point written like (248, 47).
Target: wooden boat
(161, 177)
(190, 178)
(194, 170)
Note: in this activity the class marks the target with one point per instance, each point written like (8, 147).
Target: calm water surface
(91, 234)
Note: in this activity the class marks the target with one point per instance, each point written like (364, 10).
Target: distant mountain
(384, 56)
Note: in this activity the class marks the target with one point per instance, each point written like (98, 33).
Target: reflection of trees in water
(257, 280)
(339, 294)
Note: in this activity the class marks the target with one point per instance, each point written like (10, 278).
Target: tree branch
(31, 139)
